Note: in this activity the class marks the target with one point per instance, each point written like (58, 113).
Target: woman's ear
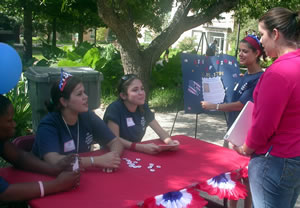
(63, 102)
(122, 95)
(275, 34)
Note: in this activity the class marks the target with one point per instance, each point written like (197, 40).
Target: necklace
(70, 132)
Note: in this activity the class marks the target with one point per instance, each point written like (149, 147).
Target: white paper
(213, 90)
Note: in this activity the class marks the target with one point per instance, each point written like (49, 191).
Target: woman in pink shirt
(273, 140)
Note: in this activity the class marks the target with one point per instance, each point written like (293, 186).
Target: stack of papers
(213, 90)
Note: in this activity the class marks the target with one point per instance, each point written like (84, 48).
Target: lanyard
(70, 132)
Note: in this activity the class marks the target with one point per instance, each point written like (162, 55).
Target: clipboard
(237, 133)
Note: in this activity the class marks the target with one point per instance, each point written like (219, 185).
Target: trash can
(41, 79)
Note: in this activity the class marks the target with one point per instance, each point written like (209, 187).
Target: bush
(23, 113)
(169, 75)
(188, 44)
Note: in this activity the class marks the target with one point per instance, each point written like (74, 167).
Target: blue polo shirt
(243, 92)
(3, 184)
(132, 125)
(53, 135)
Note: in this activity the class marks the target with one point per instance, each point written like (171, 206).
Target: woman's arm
(27, 161)
(145, 148)
(225, 107)
(25, 191)
(108, 160)
(163, 135)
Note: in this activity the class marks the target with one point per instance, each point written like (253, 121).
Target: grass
(166, 99)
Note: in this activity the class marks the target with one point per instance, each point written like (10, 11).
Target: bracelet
(41, 188)
(92, 161)
(132, 146)
(218, 106)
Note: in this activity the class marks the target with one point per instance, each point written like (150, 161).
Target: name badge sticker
(130, 122)
(69, 146)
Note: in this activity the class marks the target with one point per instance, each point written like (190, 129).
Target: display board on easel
(204, 77)
(207, 78)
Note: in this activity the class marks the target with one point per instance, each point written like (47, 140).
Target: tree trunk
(54, 32)
(27, 32)
(95, 34)
(137, 64)
(80, 34)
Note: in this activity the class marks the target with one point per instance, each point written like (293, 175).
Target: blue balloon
(10, 68)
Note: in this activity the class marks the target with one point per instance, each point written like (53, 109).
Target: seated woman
(70, 127)
(129, 116)
(26, 161)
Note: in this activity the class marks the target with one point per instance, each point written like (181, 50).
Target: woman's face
(267, 41)
(78, 100)
(247, 55)
(135, 93)
(7, 124)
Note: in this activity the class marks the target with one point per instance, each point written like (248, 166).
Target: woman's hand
(176, 144)
(243, 150)
(148, 148)
(109, 160)
(67, 180)
(66, 163)
(208, 106)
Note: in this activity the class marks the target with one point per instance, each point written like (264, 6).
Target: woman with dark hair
(26, 161)
(250, 53)
(129, 116)
(70, 127)
(273, 140)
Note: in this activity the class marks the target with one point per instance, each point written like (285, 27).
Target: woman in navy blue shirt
(70, 127)
(129, 116)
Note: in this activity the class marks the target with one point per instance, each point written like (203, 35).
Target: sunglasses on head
(127, 77)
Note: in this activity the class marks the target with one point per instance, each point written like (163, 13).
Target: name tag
(69, 146)
(130, 122)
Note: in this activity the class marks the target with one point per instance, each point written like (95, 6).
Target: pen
(268, 152)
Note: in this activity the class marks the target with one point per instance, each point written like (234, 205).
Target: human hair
(285, 21)
(125, 82)
(254, 49)
(53, 104)
(4, 103)
(123, 85)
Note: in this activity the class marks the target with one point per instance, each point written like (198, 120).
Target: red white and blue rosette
(224, 185)
(184, 198)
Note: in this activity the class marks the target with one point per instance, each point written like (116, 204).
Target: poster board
(198, 70)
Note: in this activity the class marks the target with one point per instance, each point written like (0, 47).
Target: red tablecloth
(195, 161)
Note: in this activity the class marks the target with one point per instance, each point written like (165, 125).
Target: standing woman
(273, 140)
(70, 127)
(129, 116)
(250, 53)
(24, 160)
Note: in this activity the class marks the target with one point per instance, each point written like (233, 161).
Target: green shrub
(50, 52)
(188, 44)
(23, 112)
(169, 75)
